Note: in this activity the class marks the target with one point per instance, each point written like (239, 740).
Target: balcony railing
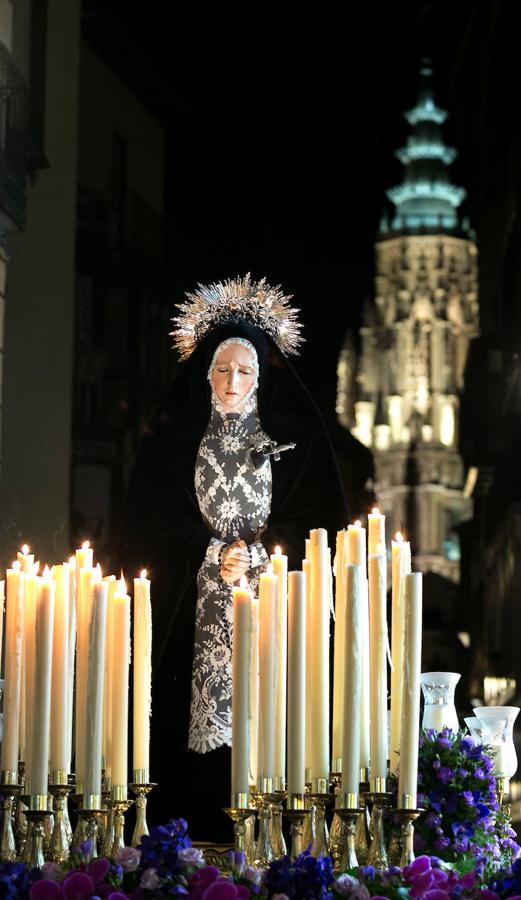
(14, 143)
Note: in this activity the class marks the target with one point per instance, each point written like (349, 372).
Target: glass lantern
(498, 723)
(439, 710)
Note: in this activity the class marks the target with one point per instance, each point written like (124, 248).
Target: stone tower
(400, 393)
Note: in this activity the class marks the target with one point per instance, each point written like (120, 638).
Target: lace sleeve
(258, 555)
(213, 551)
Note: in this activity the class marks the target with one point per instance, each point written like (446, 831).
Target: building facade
(399, 393)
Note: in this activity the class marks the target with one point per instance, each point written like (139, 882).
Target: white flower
(150, 880)
(128, 858)
(191, 856)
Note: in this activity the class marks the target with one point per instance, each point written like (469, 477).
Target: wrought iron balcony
(14, 143)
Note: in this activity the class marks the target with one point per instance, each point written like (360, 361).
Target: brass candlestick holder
(119, 804)
(407, 817)
(362, 838)
(503, 793)
(61, 837)
(277, 837)
(349, 813)
(36, 816)
(297, 814)
(239, 812)
(9, 794)
(91, 818)
(377, 855)
(265, 799)
(319, 802)
(79, 834)
(141, 790)
(337, 832)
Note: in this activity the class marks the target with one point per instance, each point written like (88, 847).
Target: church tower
(400, 393)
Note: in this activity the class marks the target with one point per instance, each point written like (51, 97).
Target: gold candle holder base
(337, 831)
(119, 808)
(79, 834)
(277, 837)
(22, 825)
(377, 855)
(141, 791)
(503, 792)
(319, 802)
(34, 852)
(362, 839)
(297, 815)
(9, 794)
(239, 817)
(61, 837)
(91, 819)
(407, 817)
(350, 817)
(264, 852)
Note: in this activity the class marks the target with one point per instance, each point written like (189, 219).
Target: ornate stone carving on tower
(400, 394)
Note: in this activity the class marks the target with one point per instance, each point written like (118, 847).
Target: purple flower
(468, 798)
(45, 889)
(436, 764)
(345, 884)
(479, 774)
(442, 843)
(359, 893)
(53, 871)
(445, 774)
(78, 885)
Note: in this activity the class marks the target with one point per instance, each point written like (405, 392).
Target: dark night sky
(281, 138)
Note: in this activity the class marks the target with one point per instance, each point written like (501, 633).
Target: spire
(426, 199)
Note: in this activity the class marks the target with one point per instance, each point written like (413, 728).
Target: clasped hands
(235, 562)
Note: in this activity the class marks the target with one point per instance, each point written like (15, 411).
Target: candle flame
(278, 551)
(97, 573)
(122, 585)
(143, 573)
(25, 549)
(358, 523)
(244, 582)
(35, 569)
(270, 569)
(16, 565)
(85, 545)
(375, 511)
(72, 560)
(46, 572)
(399, 537)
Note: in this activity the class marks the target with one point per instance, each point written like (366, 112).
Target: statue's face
(233, 375)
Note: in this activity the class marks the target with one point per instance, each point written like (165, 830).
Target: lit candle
(121, 637)
(2, 610)
(96, 633)
(14, 629)
(26, 560)
(106, 744)
(254, 692)
(357, 555)
(306, 570)
(142, 676)
(44, 619)
(241, 685)
(401, 566)
(60, 750)
(31, 589)
(408, 775)
(376, 533)
(267, 703)
(352, 688)
(319, 661)
(71, 657)
(280, 568)
(378, 663)
(296, 681)
(339, 649)
(84, 586)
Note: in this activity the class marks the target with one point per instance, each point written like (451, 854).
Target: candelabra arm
(7, 839)
(277, 837)
(264, 853)
(59, 845)
(141, 828)
(320, 844)
(377, 855)
(350, 817)
(119, 807)
(407, 818)
(297, 815)
(34, 853)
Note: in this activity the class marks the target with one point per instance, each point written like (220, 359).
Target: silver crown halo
(236, 299)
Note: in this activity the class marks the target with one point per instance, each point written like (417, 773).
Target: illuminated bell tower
(400, 394)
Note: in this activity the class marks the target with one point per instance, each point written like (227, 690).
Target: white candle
(357, 555)
(84, 585)
(267, 603)
(2, 610)
(112, 587)
(96, 633)
(280, 569)
(254, 693)
(306, 570)
(376, 533)
(319, 661)
(71, 664)
(31, 589)
(296, 681)
(401, 566)
(44, 620)
(378, 662)
(60, 750)
(26, 560)
(142, 675)
(340, 645)
(352, 686)
(121, 637)
(241, 684)
(14, 628)
(408, 776)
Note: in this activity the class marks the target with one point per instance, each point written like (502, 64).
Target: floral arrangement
(461, 819)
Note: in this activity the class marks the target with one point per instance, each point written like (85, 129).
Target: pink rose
(150, 880)
(128, 858)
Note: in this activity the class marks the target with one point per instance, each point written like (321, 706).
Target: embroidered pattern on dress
(234, 500)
